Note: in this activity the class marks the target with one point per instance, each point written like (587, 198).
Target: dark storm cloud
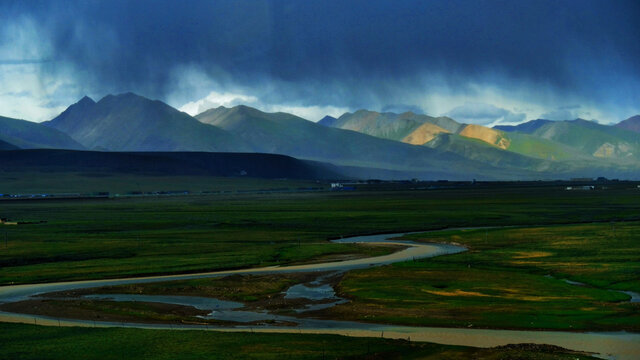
(22, 61)
(347, 53)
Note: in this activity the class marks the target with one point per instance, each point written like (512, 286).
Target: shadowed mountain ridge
(29, 135)
(128, 122)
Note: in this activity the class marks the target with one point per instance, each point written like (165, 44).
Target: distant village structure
(344, 187)
(585, 187)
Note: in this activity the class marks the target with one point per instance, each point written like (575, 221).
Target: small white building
(585, 187)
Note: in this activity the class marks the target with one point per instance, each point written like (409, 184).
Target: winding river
(609, 345)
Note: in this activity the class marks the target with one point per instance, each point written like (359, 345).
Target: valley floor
(569, 274)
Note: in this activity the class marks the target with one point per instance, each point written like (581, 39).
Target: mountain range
(129, 122)
(359, 144)
(282, 133)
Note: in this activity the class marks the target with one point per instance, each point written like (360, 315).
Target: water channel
(610, 345)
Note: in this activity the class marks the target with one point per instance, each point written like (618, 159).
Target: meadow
(128, 236)
(21, 342)
(510, 277)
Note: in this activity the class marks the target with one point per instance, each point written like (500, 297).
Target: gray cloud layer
(484, 114)
(431, 56)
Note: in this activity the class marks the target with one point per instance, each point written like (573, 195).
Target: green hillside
(517, 139)
(391, 126)
(291, 135)
(541, 148)
(29, 135)
(480, 151)
(591, 138)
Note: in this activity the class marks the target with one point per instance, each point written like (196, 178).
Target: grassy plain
(509, 278)
(37, 342)
(103, 238)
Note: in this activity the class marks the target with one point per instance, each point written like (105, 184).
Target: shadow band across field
(618, 345)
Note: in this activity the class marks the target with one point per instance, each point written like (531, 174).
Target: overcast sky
(484, 62)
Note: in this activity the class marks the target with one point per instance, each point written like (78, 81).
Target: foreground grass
(34, 342)
(127, 237)
(509, 278)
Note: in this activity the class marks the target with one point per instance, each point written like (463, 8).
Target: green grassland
(34, 342)
(509, 278)
(102, 238)
(128, 236)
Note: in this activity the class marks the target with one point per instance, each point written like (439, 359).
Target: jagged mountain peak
(130, 122)
(327, 121)
(86, 100)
